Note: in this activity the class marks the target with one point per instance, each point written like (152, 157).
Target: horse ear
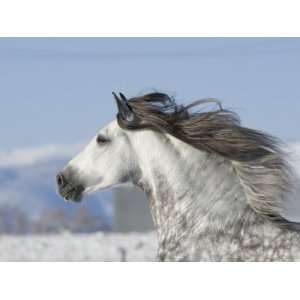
(123, 108)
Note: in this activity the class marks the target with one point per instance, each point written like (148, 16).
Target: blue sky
(58, 91)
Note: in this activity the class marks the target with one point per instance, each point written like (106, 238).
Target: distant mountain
(28, 195)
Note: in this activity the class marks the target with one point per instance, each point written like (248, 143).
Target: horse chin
(75, 195)
(75, 199)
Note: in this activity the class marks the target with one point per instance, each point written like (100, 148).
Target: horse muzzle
(68, 189)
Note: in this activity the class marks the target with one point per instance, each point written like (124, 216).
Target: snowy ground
(70, 247)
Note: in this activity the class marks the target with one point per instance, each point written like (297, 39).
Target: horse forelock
(257, 157)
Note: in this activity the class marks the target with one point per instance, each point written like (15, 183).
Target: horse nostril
(60, 179)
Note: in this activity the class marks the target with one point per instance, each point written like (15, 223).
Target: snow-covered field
(75, 247)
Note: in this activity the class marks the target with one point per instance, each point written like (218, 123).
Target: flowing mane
(256, 157)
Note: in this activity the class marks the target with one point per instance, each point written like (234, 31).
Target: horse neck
(189, 191)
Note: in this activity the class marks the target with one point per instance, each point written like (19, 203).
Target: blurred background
(55, 94)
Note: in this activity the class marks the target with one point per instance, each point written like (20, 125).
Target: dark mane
(217, 131)
(257, 157)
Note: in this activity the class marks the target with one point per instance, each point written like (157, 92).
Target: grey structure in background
(131, 211)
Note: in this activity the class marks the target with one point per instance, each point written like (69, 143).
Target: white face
(108, 160)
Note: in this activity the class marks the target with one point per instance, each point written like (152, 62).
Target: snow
(77, 247)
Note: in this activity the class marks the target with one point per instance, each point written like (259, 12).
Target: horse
(216, 189)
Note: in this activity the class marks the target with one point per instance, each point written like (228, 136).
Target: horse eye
(101, 140)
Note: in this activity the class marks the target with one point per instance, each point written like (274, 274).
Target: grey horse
(216, 189)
